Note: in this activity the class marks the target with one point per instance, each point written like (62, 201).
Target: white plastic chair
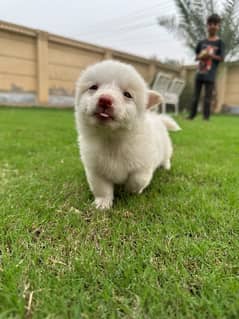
(169, 88)
(161, 85)
(173, 93)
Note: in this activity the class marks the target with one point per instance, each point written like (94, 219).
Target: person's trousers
(209, 86)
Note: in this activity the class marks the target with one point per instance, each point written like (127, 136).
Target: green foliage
(190, 23)
(169, 253)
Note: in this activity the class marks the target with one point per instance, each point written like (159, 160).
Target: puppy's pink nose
(105, 101)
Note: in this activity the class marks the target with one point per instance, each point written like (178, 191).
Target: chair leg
(163, 107)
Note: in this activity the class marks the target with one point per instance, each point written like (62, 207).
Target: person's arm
(198, 51)
(220, 56)
(215, 57)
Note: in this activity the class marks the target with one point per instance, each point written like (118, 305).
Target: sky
(129, 26)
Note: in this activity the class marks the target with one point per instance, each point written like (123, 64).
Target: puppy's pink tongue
(104, 115)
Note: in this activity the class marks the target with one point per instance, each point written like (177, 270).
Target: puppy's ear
(154, 98)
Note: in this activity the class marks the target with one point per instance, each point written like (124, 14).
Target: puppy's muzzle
(105, 108)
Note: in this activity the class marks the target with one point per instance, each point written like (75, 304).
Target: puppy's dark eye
(128, 95)
(93, 87)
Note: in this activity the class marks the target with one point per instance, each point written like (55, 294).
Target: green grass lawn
(172, 252)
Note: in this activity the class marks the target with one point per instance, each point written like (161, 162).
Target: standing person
(209, 53)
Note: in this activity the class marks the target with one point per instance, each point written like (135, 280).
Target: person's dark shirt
(207, 69)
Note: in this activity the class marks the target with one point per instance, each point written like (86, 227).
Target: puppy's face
(111, 94)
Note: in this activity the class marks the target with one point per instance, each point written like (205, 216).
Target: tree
(190, 23)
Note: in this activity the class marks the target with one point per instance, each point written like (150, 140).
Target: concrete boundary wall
(40, 68)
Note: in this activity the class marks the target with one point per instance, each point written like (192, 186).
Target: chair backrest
(176, 86)
(162, 82)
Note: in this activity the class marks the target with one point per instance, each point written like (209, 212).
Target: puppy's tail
(170, 124)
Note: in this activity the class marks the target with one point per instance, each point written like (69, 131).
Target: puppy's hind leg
(167, 164)
(138, 181)
(102, 190)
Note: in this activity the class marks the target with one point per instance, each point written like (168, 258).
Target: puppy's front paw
(103, 203)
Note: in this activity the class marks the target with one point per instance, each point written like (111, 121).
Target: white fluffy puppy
(121, 142)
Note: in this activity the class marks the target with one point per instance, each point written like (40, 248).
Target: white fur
(128, 149)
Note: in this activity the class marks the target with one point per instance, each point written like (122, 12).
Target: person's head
(213, 24)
